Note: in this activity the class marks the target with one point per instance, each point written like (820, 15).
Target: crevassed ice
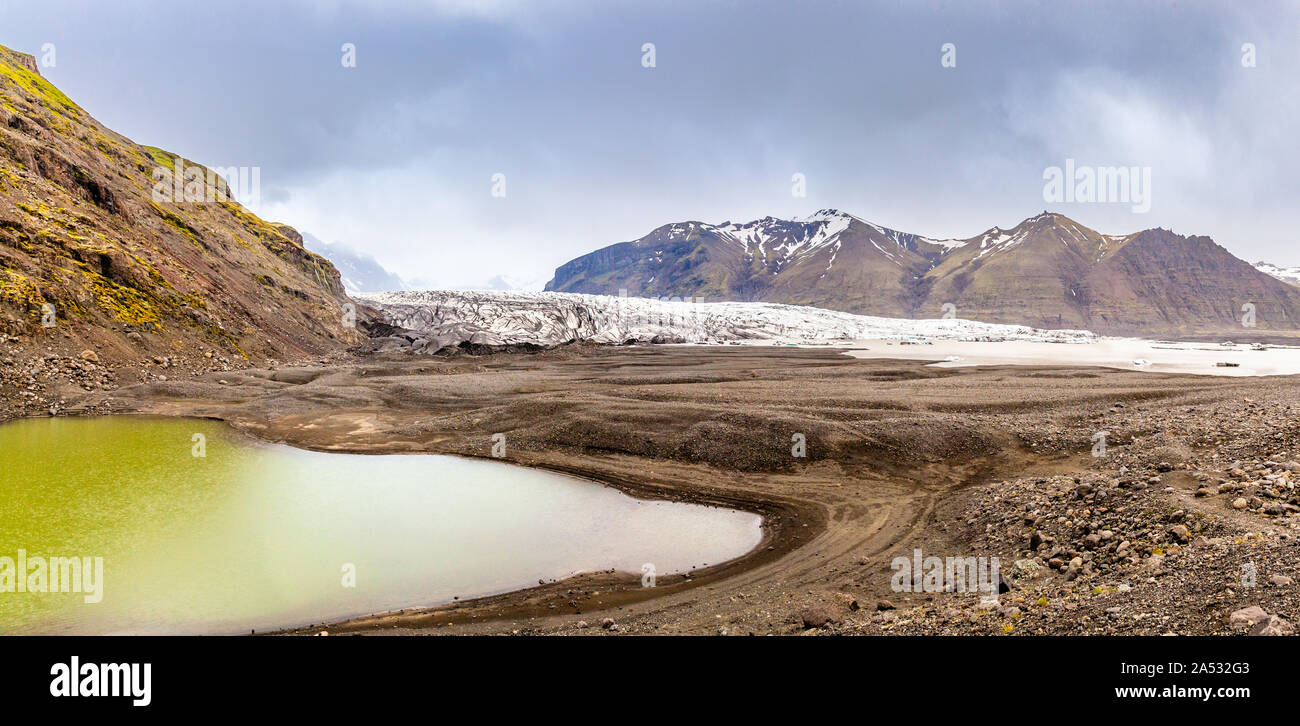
(553, 318)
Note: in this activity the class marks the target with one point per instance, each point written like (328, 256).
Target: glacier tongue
(435, 319)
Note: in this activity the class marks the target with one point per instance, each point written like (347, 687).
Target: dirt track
(889, 444)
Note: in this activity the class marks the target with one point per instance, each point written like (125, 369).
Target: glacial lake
(256, 536)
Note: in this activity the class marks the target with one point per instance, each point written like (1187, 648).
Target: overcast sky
(396, 155)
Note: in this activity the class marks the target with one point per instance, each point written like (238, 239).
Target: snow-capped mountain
(829, 259)
(1047, 271)
(360, 272)
(503, 283)
(428, 321)
(1285, 274)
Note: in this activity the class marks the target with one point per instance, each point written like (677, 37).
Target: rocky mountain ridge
(1048, 271)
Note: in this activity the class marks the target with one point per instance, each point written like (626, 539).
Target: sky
(398, 155)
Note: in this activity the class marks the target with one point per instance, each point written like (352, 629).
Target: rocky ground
(36, 380)
(1186, 523)
(1191, 526)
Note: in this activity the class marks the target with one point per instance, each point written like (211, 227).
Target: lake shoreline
(419, 528)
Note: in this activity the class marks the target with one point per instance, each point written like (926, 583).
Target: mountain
(830, 260)
(507, 283)
(135, 252)
(1290, 275)
(359, 271)
(1048, 272)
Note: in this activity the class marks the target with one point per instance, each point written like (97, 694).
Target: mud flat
(899, 455)
(1121, 353)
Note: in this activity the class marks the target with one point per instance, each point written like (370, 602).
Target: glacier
(427, 321)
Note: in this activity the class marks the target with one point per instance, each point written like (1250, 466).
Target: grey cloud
(396, 154)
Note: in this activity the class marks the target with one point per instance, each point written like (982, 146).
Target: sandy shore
(898, 456)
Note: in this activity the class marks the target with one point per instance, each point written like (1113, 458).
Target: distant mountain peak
(1052, 218)
(1047, 271)
(829, 213)
(358, 271)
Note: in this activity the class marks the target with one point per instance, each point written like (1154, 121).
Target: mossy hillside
(81, 229)
(17, 289)
(13, 69)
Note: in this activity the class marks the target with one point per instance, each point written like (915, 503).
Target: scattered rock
(847, 601)
(1273, 625)
(1026, 569)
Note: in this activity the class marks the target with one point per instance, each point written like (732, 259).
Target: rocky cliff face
(1048, 271)
(93, 256)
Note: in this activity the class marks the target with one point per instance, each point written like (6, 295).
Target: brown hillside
(83, 237)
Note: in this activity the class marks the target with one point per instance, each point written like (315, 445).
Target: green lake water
(254, 536)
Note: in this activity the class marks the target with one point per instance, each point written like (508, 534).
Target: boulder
(818, 616)
(1274, 625)
(1248, 616)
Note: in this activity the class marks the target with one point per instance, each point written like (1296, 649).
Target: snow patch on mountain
(1285, 274)
(436, 319)
(996, 240)
(948, 245)
(784, 239)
